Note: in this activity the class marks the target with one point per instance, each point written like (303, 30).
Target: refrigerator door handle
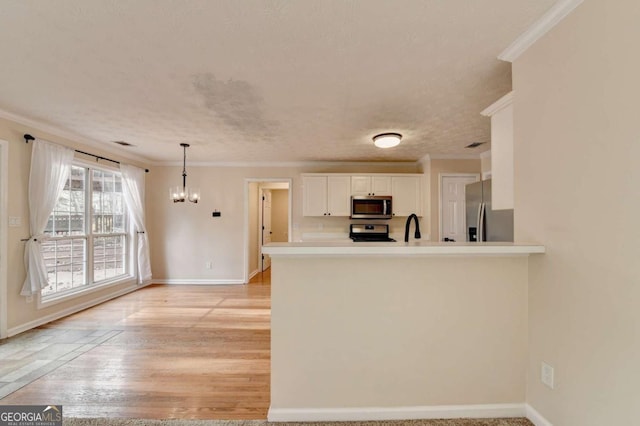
(478, 219)
(480, 232)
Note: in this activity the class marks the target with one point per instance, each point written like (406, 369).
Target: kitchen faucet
(408, 225)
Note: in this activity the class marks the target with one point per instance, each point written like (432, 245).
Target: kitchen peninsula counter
(374, 331)
(412, 248)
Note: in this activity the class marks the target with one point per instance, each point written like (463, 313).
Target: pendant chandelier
(180, 194)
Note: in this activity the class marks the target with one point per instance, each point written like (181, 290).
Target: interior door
(266, 226)
(453, 207)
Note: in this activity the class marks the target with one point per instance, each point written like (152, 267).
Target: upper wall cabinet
(330, 194)
(501, 113)
(326, 195)
(407, 195)
(370, 185)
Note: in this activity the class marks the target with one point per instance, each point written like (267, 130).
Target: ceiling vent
(474, 145)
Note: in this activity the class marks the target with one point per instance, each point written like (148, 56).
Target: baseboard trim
(253, 274)
(395, 413)
(70, 311)
(189, 281)
(535, 417)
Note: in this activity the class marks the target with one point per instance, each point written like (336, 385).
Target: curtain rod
(28, 137)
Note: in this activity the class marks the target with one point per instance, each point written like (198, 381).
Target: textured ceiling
(267, 80)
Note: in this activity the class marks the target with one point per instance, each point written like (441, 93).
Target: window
(88, 241)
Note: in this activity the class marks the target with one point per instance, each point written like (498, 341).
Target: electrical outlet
(209, 265)
(546, 374)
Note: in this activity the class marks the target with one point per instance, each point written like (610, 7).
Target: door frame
(4, 196)
(247, 231)
(261, 192)
(440, 179)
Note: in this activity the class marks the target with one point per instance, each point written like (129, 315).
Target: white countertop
(412, 248)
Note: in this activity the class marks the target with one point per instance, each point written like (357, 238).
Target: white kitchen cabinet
(339, 195)
(407, 195)
(330, 194)
(314, 196)
(326, 196)
(501, 113)
(370, 185)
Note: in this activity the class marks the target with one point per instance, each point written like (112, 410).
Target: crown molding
(501, 103)
(550, 19)
(66, 134)
(470, 156)
(283, 163)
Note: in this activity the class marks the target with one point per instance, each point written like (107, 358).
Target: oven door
(371, 207)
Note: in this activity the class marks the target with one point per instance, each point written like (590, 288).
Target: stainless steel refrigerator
(484, 223)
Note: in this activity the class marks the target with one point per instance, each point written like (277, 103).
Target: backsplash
(337, 228)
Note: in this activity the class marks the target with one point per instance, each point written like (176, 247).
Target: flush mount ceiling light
(178, 194)
(387, 140)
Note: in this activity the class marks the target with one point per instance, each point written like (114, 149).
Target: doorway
(268, 217)
(453, 226)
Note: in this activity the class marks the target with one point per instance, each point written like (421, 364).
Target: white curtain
(50, 167)
(133, 191)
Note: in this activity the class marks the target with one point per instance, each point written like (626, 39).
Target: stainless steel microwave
(371, 207)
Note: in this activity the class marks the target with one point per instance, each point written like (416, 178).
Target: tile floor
(32, 354)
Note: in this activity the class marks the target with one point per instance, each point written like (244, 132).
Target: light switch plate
(15, 221)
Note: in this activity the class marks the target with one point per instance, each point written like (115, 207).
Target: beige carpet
(146, 422)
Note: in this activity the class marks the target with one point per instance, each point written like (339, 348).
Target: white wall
(577, 151)
(4, 220)
(485, 165)
(393, 332)
(502, 158)
(280, 215)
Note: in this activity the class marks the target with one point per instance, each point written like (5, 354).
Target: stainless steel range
(369, 233)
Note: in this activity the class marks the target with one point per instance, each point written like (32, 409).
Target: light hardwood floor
(192, 352)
